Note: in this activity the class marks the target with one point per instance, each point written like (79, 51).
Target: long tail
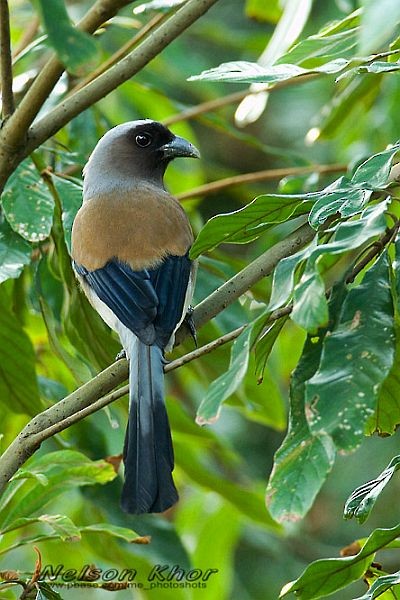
(148, 452)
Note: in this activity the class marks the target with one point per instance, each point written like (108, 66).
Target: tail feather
(148, 453)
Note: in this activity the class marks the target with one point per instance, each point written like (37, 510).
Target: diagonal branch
(126, 68)
(266, 175)
(78, 403)
(15, 129)
(7, 97)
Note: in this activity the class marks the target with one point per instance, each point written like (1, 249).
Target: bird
(130, 253)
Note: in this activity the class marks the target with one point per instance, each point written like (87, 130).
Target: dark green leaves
(355, 361)
(73, 47)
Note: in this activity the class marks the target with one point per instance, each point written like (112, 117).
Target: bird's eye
(143, 140)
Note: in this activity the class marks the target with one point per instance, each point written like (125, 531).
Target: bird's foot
(121, 354)
(189, 321)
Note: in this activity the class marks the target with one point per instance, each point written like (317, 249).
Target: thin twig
(213, 105)
(40, 436)
(7, 97)
(266, 175)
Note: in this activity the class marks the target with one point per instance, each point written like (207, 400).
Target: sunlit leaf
(310, 307)
(73, 47)
(247, 72)
(27, 203)
(264, 11)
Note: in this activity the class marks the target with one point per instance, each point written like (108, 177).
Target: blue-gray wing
(149, 302)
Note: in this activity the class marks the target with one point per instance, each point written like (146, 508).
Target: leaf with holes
(28, 205)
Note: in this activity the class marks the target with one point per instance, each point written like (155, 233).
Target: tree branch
(266, 175)
(7, 97)
(13, 135)
(96, 392)
(126, 68)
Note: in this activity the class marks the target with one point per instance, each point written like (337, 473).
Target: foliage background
(221, 470)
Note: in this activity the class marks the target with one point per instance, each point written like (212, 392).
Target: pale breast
(138, 228)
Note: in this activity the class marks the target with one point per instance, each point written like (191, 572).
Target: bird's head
(134, 151)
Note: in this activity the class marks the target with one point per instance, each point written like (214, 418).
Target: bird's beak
(179, 147)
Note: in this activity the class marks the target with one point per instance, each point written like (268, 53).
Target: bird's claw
(189, 321)
(121, 354)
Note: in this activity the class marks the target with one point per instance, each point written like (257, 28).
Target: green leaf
(310, 307)
(355, 361)
(373, 174)
(283, 279)
(326, 576)
(304, 460)
(379, 66)
(248, 223)
(64, 469)
(15, 253)
(346, 201)
(73, 47)
(264, 346)
(248, 72)
(381, 585)
(362, 500)
(348, 236)
(123, 533)
(228, 382)
(337, 40)
(18, 381)
(379, 21)
(70, 193)
(27, 203)
(386, 417)
(46, 591)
